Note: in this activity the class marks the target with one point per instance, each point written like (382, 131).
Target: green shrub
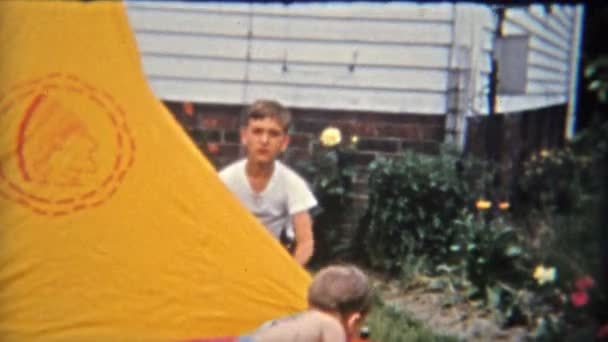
(414, 200)
(555, 181)
(329, 172)
(490, 253)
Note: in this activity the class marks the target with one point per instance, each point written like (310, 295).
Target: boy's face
(264, 139)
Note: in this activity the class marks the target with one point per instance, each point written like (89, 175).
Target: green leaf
(493, 296)
(594, 85)
(602, 95)
(513, 251)
(590, 70)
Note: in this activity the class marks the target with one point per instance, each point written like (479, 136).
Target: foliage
(421, 215)
(597, 73)
(414, 200)
(490, 254)
(555, 181)
(330, 173)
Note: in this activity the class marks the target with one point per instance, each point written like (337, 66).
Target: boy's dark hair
(344, 289)
(263, 108)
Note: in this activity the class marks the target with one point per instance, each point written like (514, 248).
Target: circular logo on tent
(66, 145)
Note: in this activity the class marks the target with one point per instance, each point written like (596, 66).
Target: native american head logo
(70, 146)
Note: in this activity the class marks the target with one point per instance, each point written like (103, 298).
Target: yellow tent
(113, 226)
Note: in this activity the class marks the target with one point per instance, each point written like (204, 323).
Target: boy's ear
(285, 143)
(243, 136)
(353, 320)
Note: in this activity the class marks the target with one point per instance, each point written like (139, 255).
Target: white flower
(544, 275)
(331, 136)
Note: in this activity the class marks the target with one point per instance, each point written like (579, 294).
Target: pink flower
(584, 283)
(603, 331)
(579, 298)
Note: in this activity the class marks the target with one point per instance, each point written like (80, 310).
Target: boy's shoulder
(232, 168)
(331, 328)
(286, 171)
(309, 325)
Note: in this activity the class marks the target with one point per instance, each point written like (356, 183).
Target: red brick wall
(215, 129)
(378, 133)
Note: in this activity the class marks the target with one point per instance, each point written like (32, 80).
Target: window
(511, 53)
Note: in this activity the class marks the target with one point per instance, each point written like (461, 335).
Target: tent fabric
(113, 226)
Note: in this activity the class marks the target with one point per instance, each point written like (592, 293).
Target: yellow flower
(544, 275)
(544, 153)
(483, 204)
(504, 205)
(331, 136)
(354, 139)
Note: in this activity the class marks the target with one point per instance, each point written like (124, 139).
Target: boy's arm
(302, 226)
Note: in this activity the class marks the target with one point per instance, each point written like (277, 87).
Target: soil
(437, 310)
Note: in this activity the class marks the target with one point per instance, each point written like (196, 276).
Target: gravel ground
(461, 319)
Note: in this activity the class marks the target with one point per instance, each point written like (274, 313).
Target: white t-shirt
(285, 194)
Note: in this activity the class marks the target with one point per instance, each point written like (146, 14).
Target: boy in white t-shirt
(273, 192)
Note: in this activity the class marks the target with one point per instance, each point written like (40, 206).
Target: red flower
(603, 331)
(213, 148)
(188, 108)
(584, 283)
(579, 298)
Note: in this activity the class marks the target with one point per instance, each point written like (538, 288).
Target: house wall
(552, 40)
(352, 56)
(411, 58)
(397, 75)
(215, 129)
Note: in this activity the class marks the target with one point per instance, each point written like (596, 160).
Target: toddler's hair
(343, 288)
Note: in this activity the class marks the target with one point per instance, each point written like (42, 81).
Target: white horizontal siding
(204, 22)
(523, 19)
(351, 99)
(387, 12)
(336, 52)
(549, 53)
(396, 79)
(516, 103)
(539, 45)
(362, 31)
(511, 29)
(566, 20)
(186, 45)
(393, 57)
(551, 64)
(551, 22)
(538, 73)
(311, 55)
(543, 88)
(172, 66)
(177, 89)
